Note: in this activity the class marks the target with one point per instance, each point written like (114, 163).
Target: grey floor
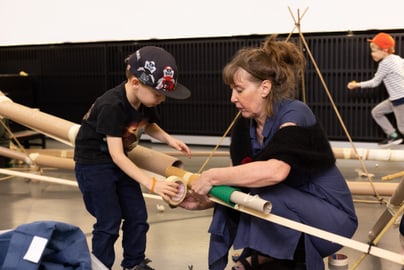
(178, 239)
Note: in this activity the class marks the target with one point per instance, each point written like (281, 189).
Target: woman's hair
(280, 62)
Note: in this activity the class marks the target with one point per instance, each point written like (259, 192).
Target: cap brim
(180, 92)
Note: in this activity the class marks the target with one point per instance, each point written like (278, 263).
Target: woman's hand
(193, 201)
(201, 185)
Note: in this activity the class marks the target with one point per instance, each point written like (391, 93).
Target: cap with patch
(157, 68)
(383, 41)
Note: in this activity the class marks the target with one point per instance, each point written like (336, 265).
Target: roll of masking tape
(182, 190)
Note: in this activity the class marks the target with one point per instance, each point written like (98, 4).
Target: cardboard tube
(339, 153)
(47, 124)
(38, 159)
(188, 177)
(364, 188)
(199, 153)
(63, 153)
(7, 152)
(223, 193)
(152, 160)
(54, 162)
(251, 201)
(369, 154)
(234, 197)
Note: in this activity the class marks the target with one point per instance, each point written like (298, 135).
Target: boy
(109, 180)
(391, 72)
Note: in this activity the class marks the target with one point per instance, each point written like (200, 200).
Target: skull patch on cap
(167, 82)
(147, 71)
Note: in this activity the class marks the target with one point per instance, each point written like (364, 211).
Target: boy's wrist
(153, 184)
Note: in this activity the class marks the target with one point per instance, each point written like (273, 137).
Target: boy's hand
(353, 84)
(180, 146)
(165, 189)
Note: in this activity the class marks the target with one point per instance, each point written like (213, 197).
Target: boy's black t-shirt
(111, 114)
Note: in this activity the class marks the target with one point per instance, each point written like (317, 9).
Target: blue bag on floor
(44, 245)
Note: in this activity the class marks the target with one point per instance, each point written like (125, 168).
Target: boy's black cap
(156, 67)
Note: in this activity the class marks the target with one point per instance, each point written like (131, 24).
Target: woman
(280, 152)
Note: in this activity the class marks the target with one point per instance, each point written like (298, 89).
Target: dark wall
(64, 80)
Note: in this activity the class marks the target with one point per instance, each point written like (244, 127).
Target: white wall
(58, 21)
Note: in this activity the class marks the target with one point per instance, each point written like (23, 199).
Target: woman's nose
(234, 97)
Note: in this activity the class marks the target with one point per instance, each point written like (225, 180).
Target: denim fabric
(113, 198)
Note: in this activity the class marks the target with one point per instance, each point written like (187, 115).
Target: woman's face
(249, 97)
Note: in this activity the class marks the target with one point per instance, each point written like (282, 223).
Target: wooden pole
(335, 238)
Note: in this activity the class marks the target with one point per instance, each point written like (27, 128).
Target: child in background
(109, 180)
(390, 71)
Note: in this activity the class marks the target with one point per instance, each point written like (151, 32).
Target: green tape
(223, 193)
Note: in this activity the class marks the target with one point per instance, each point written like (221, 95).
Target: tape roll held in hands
(182, 192)
(229, 195)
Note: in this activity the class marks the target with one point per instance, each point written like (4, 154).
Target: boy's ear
(134, 81)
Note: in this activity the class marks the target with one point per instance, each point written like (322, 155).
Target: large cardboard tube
(7, 152)
(53, 162)
(63, 153)
(369, 154)
(52, 126)
(365, 188)
(188, 177)
(152, 160)
(38, 159)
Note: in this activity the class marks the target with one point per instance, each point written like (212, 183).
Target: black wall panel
(66, 78)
